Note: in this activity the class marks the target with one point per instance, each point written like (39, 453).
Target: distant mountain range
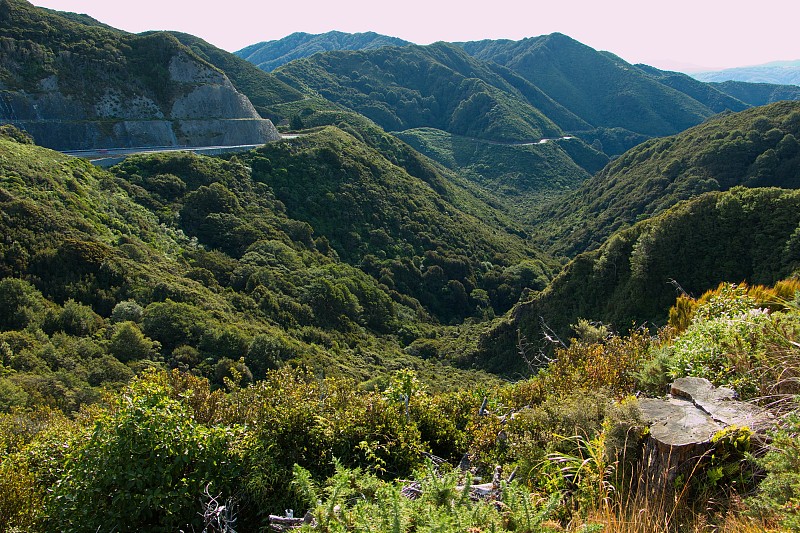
(270, 55)
(777, 72)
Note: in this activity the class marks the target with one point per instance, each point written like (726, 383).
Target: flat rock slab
(683, 424)
(676, 422)
(695, 410)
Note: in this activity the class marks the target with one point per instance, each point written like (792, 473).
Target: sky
(671, 34)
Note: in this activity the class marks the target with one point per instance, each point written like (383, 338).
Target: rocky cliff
(88, 87)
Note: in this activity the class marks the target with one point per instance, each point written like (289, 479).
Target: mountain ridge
(775, 72)
(756, 147)
(269, 55)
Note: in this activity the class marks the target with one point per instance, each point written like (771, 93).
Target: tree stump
(682, 426)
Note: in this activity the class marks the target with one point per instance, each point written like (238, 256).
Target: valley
(398, 287)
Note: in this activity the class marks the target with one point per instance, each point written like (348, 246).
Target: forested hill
(756, 148)
(759, 93)
(270, 55)
(632, 280)
(598, 87)
(436, 86)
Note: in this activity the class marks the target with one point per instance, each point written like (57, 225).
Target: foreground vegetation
(155, 454)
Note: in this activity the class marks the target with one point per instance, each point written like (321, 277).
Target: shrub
(127, 311)
(779, 492)
(142, 466)
(267, 352)
(174, 324)
(78, 319)
(20, 304)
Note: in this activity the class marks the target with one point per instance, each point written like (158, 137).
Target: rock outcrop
(683, 424)
(75, 86)
(209, 112)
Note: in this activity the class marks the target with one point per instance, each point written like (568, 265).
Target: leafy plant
(141, 466)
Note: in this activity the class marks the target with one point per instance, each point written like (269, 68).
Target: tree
(267, 352)
(296, 123)
(20, 304)
(173, 323)
(78, 319)
(128, 343)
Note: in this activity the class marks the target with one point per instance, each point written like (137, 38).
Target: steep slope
(270, 55)
(187, 262)
(710, 95)
(600, 88)
(522, 174)
(632, 280)
(420, 238)
(263, 90)
(778, 72)
(436, 86)
(440, 93)
(75, 85)
(757, 148)
(759, 93)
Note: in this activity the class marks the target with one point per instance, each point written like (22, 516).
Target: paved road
(100, 154)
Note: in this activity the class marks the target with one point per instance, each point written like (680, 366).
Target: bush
(78, 319)
(296, 419)
(142, 466)
(20, 304)
(779, 492)
(268, 352)
(127, 311)
(174, 324)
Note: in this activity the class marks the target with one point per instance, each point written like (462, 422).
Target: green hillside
(191, 262)
(710, 95)
(479, 111)
(754, 148)
(435, 86)
(759, 93)
(522, 174)
(600, 88)
(270, 55)
(421, 238)
(634, 277)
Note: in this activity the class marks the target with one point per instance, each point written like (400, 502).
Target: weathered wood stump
(682, 426)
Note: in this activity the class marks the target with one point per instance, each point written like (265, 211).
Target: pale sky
(663, 33)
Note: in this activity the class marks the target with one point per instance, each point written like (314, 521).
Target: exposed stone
(209, 111)
(184, 69)
(682, 426)
(213, 101)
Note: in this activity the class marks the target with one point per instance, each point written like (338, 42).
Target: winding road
(111, 156)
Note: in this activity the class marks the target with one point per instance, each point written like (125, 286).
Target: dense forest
(408, 315)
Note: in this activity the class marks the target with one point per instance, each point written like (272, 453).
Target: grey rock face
(213, 101)
(184, 69)
(208, 110)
